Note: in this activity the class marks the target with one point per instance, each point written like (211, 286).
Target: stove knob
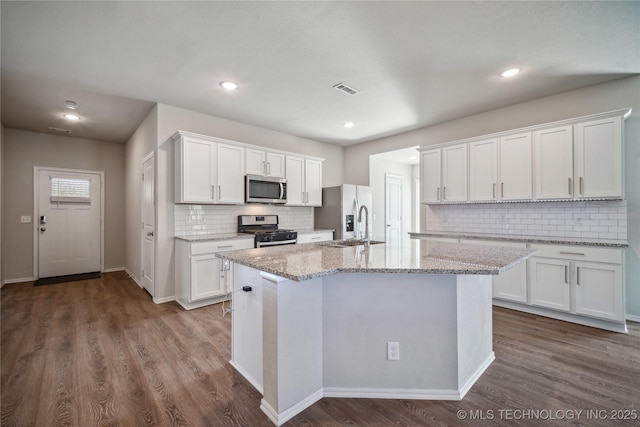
(270, 238)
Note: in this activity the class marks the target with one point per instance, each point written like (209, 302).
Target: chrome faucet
(366, 225)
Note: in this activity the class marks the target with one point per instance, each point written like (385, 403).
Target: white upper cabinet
(431, 175)
(553, 163)
(304, 181)
(516, 167)
(208, 172)
(266, 163)
(454, 173)
(598, 158)
(483, 170)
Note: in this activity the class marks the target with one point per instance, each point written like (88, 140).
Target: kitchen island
(328, 320)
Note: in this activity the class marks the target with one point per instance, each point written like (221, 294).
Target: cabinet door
(598, 158)
(313, 182)
(483, 170)
(230, 170)
(198, 166)
(598, 290)
(516, 167)
(255, 161)
(275, 164)
(295, 180)
(549, 283)
(553, 163)
(430, 172)
(454, 173)
(206, 270)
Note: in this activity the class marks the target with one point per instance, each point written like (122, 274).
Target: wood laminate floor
(100, 352)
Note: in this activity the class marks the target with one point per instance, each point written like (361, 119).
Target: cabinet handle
(577, 275)
(572, 253)
(566, 274)
(494, 190)
(502, 189)
(581, 189)
(570, 187)
(225, 246)
(268, 168)
(444, 193)
(219, 192)
(438, 194)
(264, 167)
(213, 192)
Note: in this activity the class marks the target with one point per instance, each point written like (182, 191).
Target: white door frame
(36, 209)
(149, 156)
(387, 176)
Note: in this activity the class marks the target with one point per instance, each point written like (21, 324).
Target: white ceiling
(414, 63)
(407, 156)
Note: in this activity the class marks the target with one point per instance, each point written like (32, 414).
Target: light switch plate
(25, 219)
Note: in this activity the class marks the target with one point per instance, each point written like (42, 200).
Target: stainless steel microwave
(265, 189)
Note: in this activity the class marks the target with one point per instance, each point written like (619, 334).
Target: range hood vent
(346, 89)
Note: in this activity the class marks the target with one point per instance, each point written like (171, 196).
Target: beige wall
(610, 96)
(1, 270)
(142, 142)
(22, 151)
(379, 168)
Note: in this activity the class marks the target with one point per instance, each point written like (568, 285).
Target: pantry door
(68, 230)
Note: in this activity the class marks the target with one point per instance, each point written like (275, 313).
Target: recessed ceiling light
(510, 72)
(72, 117)
(348, 124)
(71, 105)
(229, 85)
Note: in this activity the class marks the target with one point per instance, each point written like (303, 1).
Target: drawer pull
(316, 238)
(572, 253)
(225, 246)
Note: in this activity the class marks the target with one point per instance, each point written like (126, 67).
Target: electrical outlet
(393, 351)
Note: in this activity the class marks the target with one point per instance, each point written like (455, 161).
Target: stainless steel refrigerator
(339, 211)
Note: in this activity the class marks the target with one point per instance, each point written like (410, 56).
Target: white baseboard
(163, 300)
(632, 318)
(256, 384)
(19, 280)
(392, 393)
(133, 277)
(474, 377)
(114, 269)
(284, 416)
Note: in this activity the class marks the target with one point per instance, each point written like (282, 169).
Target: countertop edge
(523, 239)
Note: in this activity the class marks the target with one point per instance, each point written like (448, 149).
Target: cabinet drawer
(220, 245)
(315, 237)
(579, 253)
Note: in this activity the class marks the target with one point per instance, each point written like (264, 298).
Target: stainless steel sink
(348, 243)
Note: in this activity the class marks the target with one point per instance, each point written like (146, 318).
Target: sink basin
(348, 243)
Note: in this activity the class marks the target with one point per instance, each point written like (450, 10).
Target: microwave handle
(281, 191)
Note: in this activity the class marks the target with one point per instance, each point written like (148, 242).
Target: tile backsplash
(594, 219)
(194, 220)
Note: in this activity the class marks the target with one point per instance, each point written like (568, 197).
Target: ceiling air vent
(346, 89)
(59, 129)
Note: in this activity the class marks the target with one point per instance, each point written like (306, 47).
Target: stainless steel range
(266, 231)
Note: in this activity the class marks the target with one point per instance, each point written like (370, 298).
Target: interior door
(393, 209)
(148, 225)
(68, 223)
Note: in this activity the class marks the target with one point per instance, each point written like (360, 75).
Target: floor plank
(100, 352)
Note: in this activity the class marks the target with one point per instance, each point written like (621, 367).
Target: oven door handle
(281, 190)
(281, 242)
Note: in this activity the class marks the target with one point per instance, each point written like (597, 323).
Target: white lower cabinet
(586, 281)
(510, 285)
(320, 236)
(201, 277)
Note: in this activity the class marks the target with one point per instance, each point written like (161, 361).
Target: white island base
(300, 341)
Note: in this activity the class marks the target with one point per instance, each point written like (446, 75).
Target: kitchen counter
(613, 243)
(307, 261)
(312, 321)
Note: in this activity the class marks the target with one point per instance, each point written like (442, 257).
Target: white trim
(163, 300)
(114, 269)
(393, 393)
(633, 318)
(567, 317)
(134, 278)
(255, 383)
(36, 210)
(284, 416)
(19, 280)
(148, 157)
(474, 377)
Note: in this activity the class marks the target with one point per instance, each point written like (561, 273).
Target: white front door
(148, 224)
(393, 208)
(68, 223)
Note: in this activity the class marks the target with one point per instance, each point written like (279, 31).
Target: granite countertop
(319, 230)
(212, 237)
(310, 260)
(613, 243)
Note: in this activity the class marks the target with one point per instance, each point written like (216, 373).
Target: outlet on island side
(393, 351)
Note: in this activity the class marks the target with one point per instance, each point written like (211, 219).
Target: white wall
(22, 150)
(378, 168)
(599, 98)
